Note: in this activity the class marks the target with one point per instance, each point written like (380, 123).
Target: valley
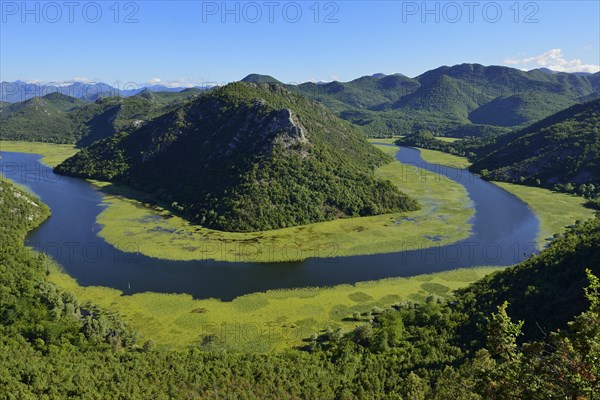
(133, 225)
(337, 200)
(250, 225)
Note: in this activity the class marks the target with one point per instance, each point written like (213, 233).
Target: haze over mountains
(19, 91)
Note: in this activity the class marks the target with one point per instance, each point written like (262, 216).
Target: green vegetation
(257, 78)
(57, 118)
(433, 149)
(448, 139)
(556, 211)
(446, 210)
(445, 159)
(52, 154)
(279, 319)
(43, 119)
(467, 100)
(561, 149)
(248, 158)
(52, 346)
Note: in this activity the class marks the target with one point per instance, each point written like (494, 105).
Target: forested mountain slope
(248, 157)
(561, 149)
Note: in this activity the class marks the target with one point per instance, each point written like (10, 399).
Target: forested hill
(40, 117)
(53, 347)
(248, 157)
(57, 118)
(561, 149)
(460, 100)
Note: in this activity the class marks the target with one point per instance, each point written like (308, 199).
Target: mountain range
(58, 118)
(19, 91)
(460, 100)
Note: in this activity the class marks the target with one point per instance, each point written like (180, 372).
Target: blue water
(503, 233)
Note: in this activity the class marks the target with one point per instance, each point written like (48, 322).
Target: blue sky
(191, 42)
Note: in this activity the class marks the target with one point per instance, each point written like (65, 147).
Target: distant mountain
(256, 78)
(18, 91)
(546, 71)
(448, 100)
(248, 157)
(162, 88)
(518, 109)
(563, 148)
(460, 100)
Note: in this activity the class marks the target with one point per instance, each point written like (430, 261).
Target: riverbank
(132, 216)
(275, 320)
(443, 219)
(555, 210)
(264, 322)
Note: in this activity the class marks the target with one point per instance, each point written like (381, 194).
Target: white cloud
(554, 60)
(181, 82)
(80, 79)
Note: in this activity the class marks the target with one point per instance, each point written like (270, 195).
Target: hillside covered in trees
(561, 149)
(559, 152)
(58, 118)
(459, 101)
(474, 347)
(248, 157)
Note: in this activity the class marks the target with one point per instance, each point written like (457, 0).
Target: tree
(502, 334)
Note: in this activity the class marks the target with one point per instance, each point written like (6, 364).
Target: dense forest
(248, 157)
(531, 331)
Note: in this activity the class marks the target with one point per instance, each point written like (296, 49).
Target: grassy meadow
(52, 154)
(443, 219)
(447, 139)
(445, 159)
(555, 210)
(264, 322)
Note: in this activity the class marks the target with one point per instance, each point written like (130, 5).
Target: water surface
(503, 233)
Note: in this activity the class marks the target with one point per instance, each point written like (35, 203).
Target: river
(503, 233)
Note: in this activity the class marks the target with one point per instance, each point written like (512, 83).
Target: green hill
(561, 149)
(248, 157)
(110, 115)
(460, 100)
(58, 118)
(519, 109)
(44, 119)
